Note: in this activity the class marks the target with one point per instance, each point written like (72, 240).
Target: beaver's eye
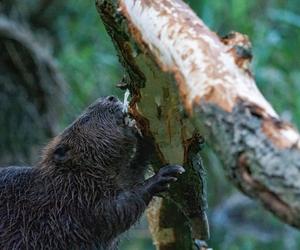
(61, 153)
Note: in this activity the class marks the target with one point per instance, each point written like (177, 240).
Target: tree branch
(182, 61)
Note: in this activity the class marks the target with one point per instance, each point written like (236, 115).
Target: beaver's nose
(112, 98)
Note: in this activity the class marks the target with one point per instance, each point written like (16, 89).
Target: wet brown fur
(87, 189)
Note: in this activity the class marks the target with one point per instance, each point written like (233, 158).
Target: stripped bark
(183, 76)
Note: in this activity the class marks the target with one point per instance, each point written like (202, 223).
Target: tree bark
(185, 79)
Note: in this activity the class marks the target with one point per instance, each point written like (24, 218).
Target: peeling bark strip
(167, 43)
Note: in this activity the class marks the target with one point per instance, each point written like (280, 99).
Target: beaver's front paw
(160, 182)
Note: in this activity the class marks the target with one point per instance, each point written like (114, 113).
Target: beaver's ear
(61, 153)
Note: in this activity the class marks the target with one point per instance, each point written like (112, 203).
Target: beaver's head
(101, 137)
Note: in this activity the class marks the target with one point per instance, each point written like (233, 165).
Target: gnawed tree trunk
(184, 78)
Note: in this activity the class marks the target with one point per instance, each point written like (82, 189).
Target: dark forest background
(56, 58)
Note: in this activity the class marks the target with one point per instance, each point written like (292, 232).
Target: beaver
(87, 188)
